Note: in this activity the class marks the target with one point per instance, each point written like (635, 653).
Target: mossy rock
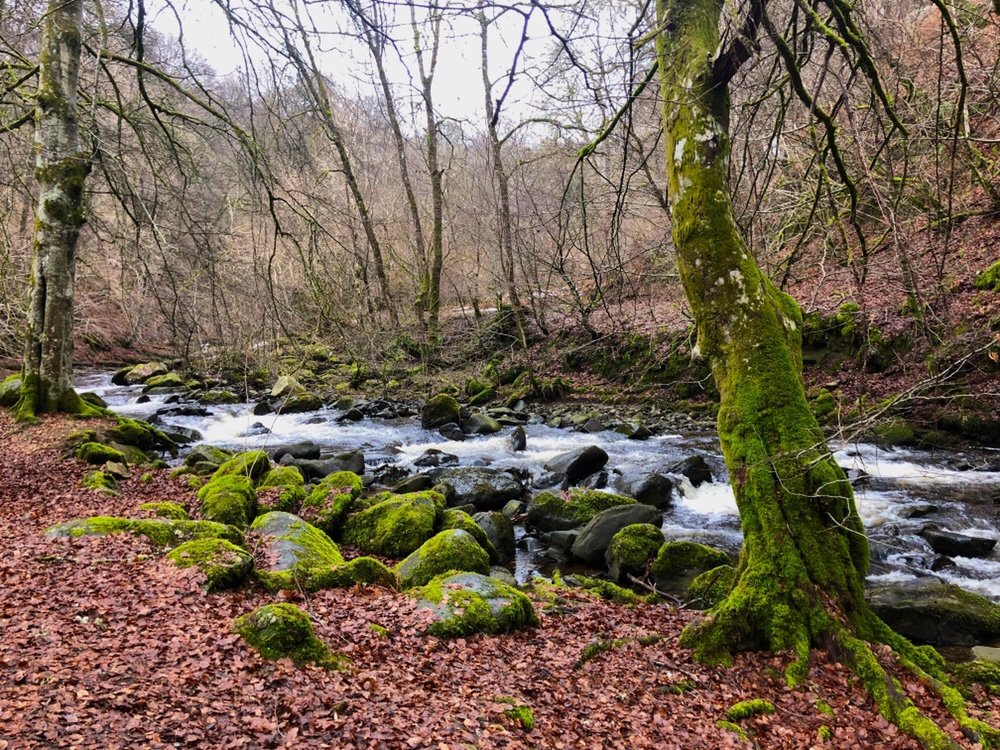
(133, 456)
(894, 433)
(475, 387)
(711, 587)
(224, 565)
(822, 403)
(453, 518)
(94, 400)
(606, 590)
(142, 373)
(282, 488)
(161, 531)
(360, 570)
(300, 403)
(926, 610)
(168, 380)
(101, 481)
(140, 434)
(286, 385)
(166, 510)
(395, 527)
(483, 397)
(439, 411)
(463, 604)
(631, 549)
(551, 511)
(989, 279)
(10, 391)
(331, 500)
(96, 453)
(280, 631)
(229, 498)
(678, 563)
(218, 398)
(207, 455)
(454, 549)
(253, 465)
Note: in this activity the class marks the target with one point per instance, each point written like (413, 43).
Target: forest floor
(106, 645)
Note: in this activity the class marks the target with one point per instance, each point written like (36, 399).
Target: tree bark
(61, 168)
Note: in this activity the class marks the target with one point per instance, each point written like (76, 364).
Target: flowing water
(901, 482)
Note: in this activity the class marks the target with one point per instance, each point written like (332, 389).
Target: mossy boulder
(927, 610)
(678, 563)
(487, 489)
(464, 604)
(280, 631)
(299, 403)
(10, 391)
(331, 500)
(96, 453)
(206, 459)
(224, 565)
(142, 435)
(711, 587)
(595, 537)
(142, 373)
(360, 570)
(551, 511)
(166, 510)
(500, 532)
(454, 549)
(286, 385)
(161, 531)
(631, 549)
(218, 398)
(453, 518)
(229, 498)
(282, 488)
(253, 465)
(101, 481)
(481, 424)
(395, 527)
(167, 380)
(439, 411)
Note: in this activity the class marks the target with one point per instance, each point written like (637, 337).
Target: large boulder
(167, 380)
(487, 489)
(165, 532)
(694, 468)
(453, 518)
(927, 610)
(280, 631)
(282, 488)
(481, 424)
(578, 464)
(229, 498)
(298, 403)
(463, 604)
(631, 549)
(353, 461)
(957, 545)
(10, 391)
(395, 527)
(306, 449)
(650, 489)
(677, 564)
(595, 538)
(331, 500)
(224, 565)
(286, 385)
(142, 373)
(252, 465)
(449, 550)
(549, 511)
(439, 411)
(500, 532)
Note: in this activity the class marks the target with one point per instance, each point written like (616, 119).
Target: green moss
(279, 631)
(395, 527)
(100, 481)
(824, 708)
(824, 733)
(194, 482)
(606, 590)
(252, 464)
(634, 546)
(468, 603)
(439, 411)
(747, 709)
(679, 687)
(579, 505)
(282, 488)
(452, 518)
(166, 510)
(522, 714)
(331, 500)
(378, 630)
(223, 564)
(205, 456)
(10, 391)
(989, 279)
(161, 531)
(291, 547)
(678, 563)
(146, 478)
(95, 453)
(454, 549)
(896, 432)
(215, 398)
(711, 587)
(229, 498)
(140, 434)
(361, 570)
(822, 403)
(734, 728)
(168, 380)
(984, 673)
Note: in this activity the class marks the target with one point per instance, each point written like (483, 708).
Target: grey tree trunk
(61, 169)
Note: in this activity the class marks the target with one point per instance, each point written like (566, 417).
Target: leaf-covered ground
(103, 644)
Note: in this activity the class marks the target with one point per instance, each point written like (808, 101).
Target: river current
(904, 491)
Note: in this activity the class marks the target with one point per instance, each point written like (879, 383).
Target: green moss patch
(678, 563)
(101, 481)
(166, 510)
(464, 604)
(632, 548)
(253, 465)
(747, 709)
(395, 527)
(989, 279)
(162, 531)
(711, 587)
(223, 564)
(96, 453)
(453, 518)
(279, 631)
(454, 549)
(551, 511)
(229, 498)
(331, 500)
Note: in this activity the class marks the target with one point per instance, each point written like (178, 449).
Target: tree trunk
(61, 168)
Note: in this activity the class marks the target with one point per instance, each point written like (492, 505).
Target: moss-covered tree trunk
(61, 168)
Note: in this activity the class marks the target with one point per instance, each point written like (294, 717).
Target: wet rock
(695, 468)
(300, 403)
(500, 532)
(650, 489)
(481, 424)
(451, 431)
(487, 489)
(595, 538)
(256, 429)
(142, 373)
(432, 457)
(286, 386)
(352, 415)
(503, 575)
(957, 545)
(631, 549)
(518, 439)
(919, 511)
(262, 408)
(596, 481)
(439, 411)
(578, 464)
(593, 425)
(551, 480)
(562, 540)
(549, 511)
(634, 431)
(927, 610)
(416, 483)
(677, 564)
(306, 449)
(181, 435)
(514, 508)
(353, 461)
